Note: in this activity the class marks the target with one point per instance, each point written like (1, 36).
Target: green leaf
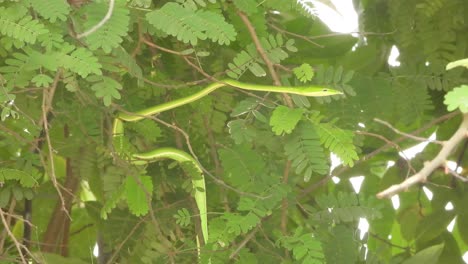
(338, 141)
(42, 80)
(18, 26)
(304, 73)
(457, 98)
(244, 106)
(285, 119)
(240, 131)
(25, 179)
(138, 193)
(80, 60)
(106, 88)
(190, 26)
(340, 247)
(52, 9)
(242, 165)
(305, 152)
(183, 217)
(428, 255)
(306, 247)
(247, 6)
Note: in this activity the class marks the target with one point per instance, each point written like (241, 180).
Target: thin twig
(387, 242)
(120, 245)
(421, 176)
(153, 45)
(295, 35)
(350, 33)
(284, 203)
(406, 134)
(18, 245)
(264, 56)
(244, 242)
(47, 99)
(8, 219)
(397, 147)
(101, 23)
(456, 175)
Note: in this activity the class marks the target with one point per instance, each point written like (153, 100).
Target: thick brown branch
(421, 176)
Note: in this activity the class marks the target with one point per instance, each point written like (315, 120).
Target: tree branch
(244, 242)
(264, 56)
(13, 238)
(421, 176)
(405, 134)
(101, 23)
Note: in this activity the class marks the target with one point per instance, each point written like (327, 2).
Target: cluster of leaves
(267, 163)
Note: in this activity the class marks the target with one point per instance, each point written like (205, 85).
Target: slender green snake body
(311, 90)
(180, 156)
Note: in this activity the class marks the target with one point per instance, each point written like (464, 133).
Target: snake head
(322, 91)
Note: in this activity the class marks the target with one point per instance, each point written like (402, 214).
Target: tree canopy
(101, 147)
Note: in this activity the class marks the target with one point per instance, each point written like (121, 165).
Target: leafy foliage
(182, 217)
(344, 207)
(306, 248)
(284, 119)
(338, 141)
(305, 152)
(110, 35)
(16, 24)
(249, 59)
(304, 73)
(189, 26)
(52, 10)
(242, 165)
(458, 98)
(138, 194)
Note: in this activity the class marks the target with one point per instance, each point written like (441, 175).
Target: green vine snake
(180, 156)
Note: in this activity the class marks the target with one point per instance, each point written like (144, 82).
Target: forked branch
(421, 176)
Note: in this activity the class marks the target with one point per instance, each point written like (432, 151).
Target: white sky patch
(361, 125)
(395, 202)
(428, 193)
(390, 163)
(465, 257)
(96, 250)
(452, 165)
(449, 206)
(410, 153)
(336, 180)
(335, 161)
(356, 182)
(451, 225)
(363, 227)
(342, 18)
(393, 57)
